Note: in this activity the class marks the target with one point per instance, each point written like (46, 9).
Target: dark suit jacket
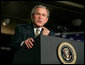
(22, 54)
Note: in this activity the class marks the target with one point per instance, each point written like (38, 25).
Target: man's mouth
(39, 21)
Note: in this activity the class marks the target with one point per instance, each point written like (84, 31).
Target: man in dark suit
(27, 35)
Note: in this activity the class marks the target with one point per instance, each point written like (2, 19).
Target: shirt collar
(37, 28)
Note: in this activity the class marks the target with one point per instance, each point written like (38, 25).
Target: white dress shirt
(38, 31)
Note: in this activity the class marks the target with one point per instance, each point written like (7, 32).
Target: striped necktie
(37, 32)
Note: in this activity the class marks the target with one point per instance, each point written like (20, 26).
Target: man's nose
(40, 16)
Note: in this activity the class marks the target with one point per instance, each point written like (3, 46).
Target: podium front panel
(49, 50)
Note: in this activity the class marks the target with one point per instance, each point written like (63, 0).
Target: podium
(51, 50)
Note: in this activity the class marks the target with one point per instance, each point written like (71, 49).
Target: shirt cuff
(22, 43)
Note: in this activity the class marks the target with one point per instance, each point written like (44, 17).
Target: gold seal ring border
(60, 56)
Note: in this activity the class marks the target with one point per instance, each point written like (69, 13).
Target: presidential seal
(67, 53)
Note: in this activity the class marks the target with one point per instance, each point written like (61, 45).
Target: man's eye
(43, 15)
(37, 14)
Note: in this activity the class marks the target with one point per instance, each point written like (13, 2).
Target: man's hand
(45, 31)
(29, 43)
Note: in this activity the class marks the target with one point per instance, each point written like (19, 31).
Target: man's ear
(32, 17)
(46, 20)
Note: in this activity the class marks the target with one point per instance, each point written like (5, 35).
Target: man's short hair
(40, 6)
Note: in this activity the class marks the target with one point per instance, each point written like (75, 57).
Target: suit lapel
(29, 32)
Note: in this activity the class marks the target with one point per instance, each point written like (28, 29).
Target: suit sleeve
(17, 39)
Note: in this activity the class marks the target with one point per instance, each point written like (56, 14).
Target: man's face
(40, 17)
